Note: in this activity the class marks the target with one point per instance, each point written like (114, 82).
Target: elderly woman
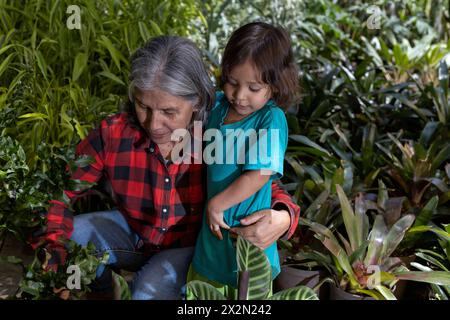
(159, 203)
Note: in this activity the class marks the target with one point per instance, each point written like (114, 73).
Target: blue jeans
(161, 276)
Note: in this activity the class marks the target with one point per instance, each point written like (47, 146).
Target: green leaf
(80, 64)
(121, 286)
(330, 242)
(445, 236)
(200, 290)
(316, 204)
(156, 30)
(396, 235)
(252, 259)
(5, 63)
(427, 212)
(111, 76)
(143, 30)
(428, 132)
(441, 278)
(79, 185)
(376, 240)
(382, 194)
(115, 54)
(385, 292)
(41, 63)
(308, 142)
(353, 227)
(296, 293)
(442, 156)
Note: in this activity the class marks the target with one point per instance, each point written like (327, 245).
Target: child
(258, 73)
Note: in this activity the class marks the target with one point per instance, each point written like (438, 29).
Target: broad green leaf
(428, 132)
(252, 259)
(352, 226)
(296, 293)
(439, 232)
(441, 278)
(121, 289)
(358, 254)
(200, 290)
(442, 156)
(376, 240)
(431, 260)
(427, 212)
(396, 235)
(385, 292)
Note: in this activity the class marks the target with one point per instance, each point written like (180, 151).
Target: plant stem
(244, 278)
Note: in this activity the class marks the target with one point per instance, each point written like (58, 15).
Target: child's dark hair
(269, 48)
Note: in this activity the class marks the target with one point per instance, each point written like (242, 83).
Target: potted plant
(302, 259)
(364, 262)
(254, 279)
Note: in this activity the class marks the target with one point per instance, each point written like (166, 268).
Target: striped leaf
(199, 290)
(296, 293)
(121, 289)
(252, 259)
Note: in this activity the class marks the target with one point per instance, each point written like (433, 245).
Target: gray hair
(174, 65)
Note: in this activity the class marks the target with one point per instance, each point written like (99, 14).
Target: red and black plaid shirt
(163, 204)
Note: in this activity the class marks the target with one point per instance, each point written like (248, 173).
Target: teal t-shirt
(257, 142)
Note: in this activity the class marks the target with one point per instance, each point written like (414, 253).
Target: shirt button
(164, 210)
(163, 229)
(151, 149)
(166, 179)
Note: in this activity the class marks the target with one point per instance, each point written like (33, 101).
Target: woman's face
(160, 113)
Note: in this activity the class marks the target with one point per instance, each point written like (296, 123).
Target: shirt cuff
(281, 205)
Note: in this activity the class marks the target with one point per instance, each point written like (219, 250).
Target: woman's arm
(264, 227)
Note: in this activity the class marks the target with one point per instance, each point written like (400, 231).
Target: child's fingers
(218, 234)
(215, 229)
(223, 225)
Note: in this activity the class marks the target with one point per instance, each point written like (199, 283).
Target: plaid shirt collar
(142, 140)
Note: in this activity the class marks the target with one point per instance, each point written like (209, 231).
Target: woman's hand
(214, 219)
(264, 227)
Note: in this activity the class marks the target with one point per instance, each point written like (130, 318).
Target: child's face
(245, 90)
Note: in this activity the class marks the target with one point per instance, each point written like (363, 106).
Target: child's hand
(215, 221)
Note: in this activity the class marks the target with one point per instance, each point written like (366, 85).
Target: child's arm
(242, 188)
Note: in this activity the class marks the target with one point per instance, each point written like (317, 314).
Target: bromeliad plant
(362, 253)
(435, 258)
(254, 279)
